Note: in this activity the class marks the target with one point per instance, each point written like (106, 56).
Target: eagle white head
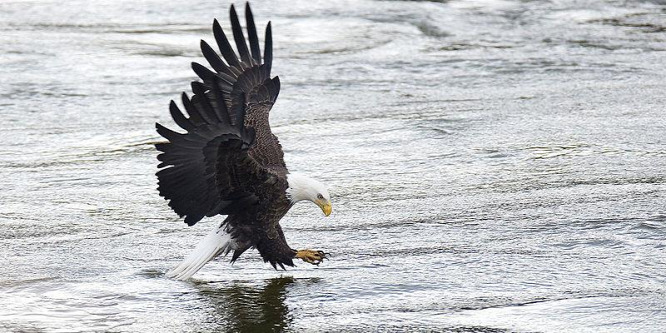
(305, 188)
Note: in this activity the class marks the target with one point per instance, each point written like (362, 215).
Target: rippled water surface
(495, 166)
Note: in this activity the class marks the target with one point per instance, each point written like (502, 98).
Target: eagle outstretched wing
(243, 82)
(228, 151)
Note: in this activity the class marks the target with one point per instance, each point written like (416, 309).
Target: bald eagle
(228, 162)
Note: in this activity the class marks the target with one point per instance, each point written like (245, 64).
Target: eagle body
(263, 231)
(228, 161)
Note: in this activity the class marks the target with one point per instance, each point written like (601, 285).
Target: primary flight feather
(228, 162)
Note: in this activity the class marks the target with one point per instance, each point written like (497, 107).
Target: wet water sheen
(495, 166)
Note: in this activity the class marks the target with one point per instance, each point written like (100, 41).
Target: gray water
(494, 166)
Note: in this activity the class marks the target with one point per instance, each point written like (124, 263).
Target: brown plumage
(228, 162)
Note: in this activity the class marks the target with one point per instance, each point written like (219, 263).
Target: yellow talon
(311, 256)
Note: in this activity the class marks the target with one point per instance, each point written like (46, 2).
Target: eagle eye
(320, 197)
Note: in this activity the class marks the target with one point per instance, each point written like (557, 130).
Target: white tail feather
(218, 241)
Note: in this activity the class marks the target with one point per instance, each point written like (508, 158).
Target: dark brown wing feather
(227, 121)
(208, 170)
(246, 84)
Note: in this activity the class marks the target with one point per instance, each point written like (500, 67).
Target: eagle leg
(312, 256)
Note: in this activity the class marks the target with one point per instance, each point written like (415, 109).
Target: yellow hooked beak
(325, 207)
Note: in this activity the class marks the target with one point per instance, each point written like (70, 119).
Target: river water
(495, 166)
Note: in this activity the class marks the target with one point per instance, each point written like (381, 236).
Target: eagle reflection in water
(243, 308)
